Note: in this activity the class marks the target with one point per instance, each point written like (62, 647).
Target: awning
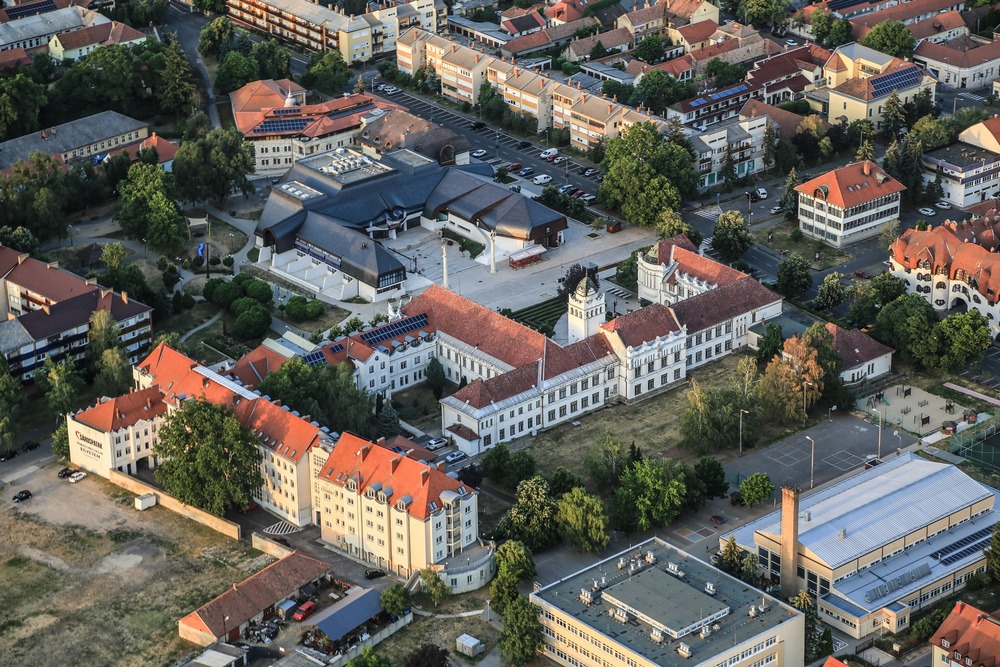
(527, 253)
(348, 614)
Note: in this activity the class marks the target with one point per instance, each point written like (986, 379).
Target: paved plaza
(911, 408)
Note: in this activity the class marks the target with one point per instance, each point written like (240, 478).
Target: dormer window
(945, 643)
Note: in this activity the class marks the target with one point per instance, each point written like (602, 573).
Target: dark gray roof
(75, 312)
(13, 337)
(348, 614)
(422, 136)
(360, 257)
(68, 136)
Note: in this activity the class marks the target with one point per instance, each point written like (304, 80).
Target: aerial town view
(455, 333)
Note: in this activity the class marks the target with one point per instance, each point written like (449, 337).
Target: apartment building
(396, 513)
(910, 14)
(654, 605)
(740, 138)
(848, 204)
(529, 93)
(82, 139)
(967, 637)
(315, 27)
(48, 313)
(876, 547)
(953, 265)
(967, 61)
(118, 433)
(462, 72)
(717, 106)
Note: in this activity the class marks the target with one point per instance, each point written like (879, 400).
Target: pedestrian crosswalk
(971, 96)
(709, 212)
(281, 528)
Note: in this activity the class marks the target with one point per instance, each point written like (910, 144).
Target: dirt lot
(83, 574)
(440, 631)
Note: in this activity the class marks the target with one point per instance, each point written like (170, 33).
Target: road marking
(970, 96)
(709, 212)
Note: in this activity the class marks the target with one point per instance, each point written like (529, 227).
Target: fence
(980, 442)
(138, 487)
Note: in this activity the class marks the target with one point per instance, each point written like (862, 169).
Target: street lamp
(144, 248)
(487, 610)
(742, 412)
(805, 384)
(896, 433)
(881, 415)
(829, 413)
(70, 234)
(812, 459)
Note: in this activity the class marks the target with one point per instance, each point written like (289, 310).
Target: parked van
(305, 611)
(549, 152)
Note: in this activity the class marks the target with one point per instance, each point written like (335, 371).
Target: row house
(969, 170)
(529, 93)
(462, 72)
(909, 14)
(964, 62)
(657, 18)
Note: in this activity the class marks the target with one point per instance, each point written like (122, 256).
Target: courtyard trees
(649, 493)
(582, 520)
(532, 519)
(521, 636)
(756, 488)
(731, 237)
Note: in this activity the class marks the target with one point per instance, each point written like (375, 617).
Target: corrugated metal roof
(873, 508)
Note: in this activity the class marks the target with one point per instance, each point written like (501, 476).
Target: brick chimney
(393, 463)
(124, 297)
(789, 541)
(424, 476)
(363, 452)
(866, 168)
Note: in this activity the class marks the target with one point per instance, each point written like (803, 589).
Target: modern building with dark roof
(321, 225)
(654, 604)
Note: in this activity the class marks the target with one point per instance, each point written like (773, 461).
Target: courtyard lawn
(807, 247)
(541, 316)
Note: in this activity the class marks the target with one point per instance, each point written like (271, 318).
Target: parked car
(478, 125)
(374, 574)
(559, 159)
(525, 171)
(30, 446)
(863, 274)
(775, 210)
(791, 42)
(21, 495)
(549, 153)
(943, 205)
(588, 199)
(391, 90)
(305, 611)
(66, 472)
(513, 166)
(736, 498)
(478, 154)
(583, 170)
(454, 457)
(77, 476)
(717, 519)
(523, 144)
(515, 188)
(565, 189)
(542, 179)
(754, 197)
(926, 211)
(590, 171)
(762, 193)
(578, 194)
(435, 444)
(8, 456)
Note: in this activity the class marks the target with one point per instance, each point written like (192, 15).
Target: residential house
(593, 119)
(912, 14)
(90, 138)
(619, 40)
(953, 265)
(964, 62)
(75, 44)
(529, 93)
(860, 79)
(966, 636)
(716, 106)
(523, 24)
(863, 358)
(877, 547)
(13, 57)
(485, 33)
(556, 34)
(565, 11)
(33, 31)
(785, 122)
(693, 36)
(848, 204)
(740, 139)
(656, 19)
(792, 71)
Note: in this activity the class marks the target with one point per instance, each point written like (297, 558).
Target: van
(549, 152)
(542, 179)
(304, 611)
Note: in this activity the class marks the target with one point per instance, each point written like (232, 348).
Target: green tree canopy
(891, 38)
(521, 637)
(756, 488)
(21, 101)
(114, 376)
(532, 519)
(11, 402)
(326, 71)
(61, 383)
(434, 586)
(831, 293)
(670, 224)
(582, 520)
(650, 49)
(731, 237)
(214, 165)
(434, 377)
(713, 476)
(964, 337)
(514, 558)
(794, 275)
(907, 324)
(395, 599)
(869, 299)
(215, 37)
(235, 71)
(210, 460)
(650, 493)
(644, 175)
(272, 59)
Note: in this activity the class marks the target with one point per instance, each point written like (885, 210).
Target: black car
(478, 125)
(582, 170)
(754, 198)
(66, 472)
(524, 144)
(29, 446)
(374, 574)
(8, 456)
(22, 495)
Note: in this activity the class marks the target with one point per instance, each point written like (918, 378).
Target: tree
(395, 600)
(650, 49)
(327, 72)
(11, 402)
(866, 152)
(731, 237)
(496, 462)
(521, 637)
(770, 145)
(670, 224)
(992, 553)
(235, 71)
(933, 133)
(831, 293)
(908, 323)
(513, 558)
(606, 462)
(790, 200)
(214, 165)
(725, 73)
(732, 557)
(770, 343)
(532, 519)
(893, 114)
(369, 658)
(889, 233)
(387, 422)
(871, 298)
(794, 275)
(21, 101)
(713, 476)
(112, 256)
(777, 387)
(252, 323)
(822, 22)
(891, 38)
(210, 460)
(756, 488)
(710, 417)
(60, 440)
(657, 90)
(61, 383)
(598, 51)
(841, 33)
(115, 374)
(136, 196)
(428, 655)
(166, 229)
(272, 59)
(650, 493)
(562, 481)
(434, 377)
(964, 337)
(102, 334)
(503, 591)
(813, 642)
(582, 520)
(176, 90)
(804, 362)
(215, 36)
(434, 586)
(570, 281)
(729, 175)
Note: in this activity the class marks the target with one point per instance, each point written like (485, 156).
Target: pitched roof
(665, 247)
(969, 54)
(116, 413)
(970, 633)
(786, 122)
(76, 311)
(850, 186)
(609, 40)
(423, 136)
(68, 136)
(698, 32)
(258, 592)
(566, 10)
(952, 247)
(685, 8)
(651, 12)
(938, 23)
(523, 22)
(48, 280)
(423, 488)
(904, 12)
(645, 324)
(12, 57)
(704, 268)
(722, 303)
(252, 367)
(481, 393)
(263, 94)
(104, 33)
(854, 347)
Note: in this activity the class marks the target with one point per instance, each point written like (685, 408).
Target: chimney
(454, 47)
(54, 131)
(45, 134)
(276, 402)
(124, 296)
(610, 107)
(866, 168)
(393, 463)
(234, 587)
(424, 476)
(380, 441)
(441, 466)
(363, 452)
(789, 541)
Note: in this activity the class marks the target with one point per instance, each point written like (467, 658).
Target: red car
(578, 194)
(863, 274)
(513, 166)
(304, 611)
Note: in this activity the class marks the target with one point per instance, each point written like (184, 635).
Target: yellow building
(529, 93)
(859, 80)
(462, 71)
(878, 546)
(656, 606)
(967, 637)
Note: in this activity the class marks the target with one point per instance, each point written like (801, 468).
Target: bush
(243, 304)
(170, 276)
(259, 290)
(188, 301)
(210, 287)
(252, 323)
(225, 294)
(197, 262)
(299, 308)
(162, 263)
(214, 260)
(243, 279)
(228, 261)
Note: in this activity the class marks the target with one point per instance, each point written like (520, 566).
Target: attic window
(432, 505)
(945, 643)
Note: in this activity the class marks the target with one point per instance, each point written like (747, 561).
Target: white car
(478, 154)
(548, 152)
(791, 42)
(943, 205)
(926, 211)
(541, 179)
(76, 477)
(559, 160)
(775, 210)
(762, 193)
(435, 444)
(588, 199)
(454, 457)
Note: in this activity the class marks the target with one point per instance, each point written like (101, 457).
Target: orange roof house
(852, 185)
(967, 636)
(113, 414)
(253, 367)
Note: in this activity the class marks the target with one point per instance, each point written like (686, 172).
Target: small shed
(469, 645)
(145, 501)
(286, 609)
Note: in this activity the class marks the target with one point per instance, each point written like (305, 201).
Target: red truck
(304, 611)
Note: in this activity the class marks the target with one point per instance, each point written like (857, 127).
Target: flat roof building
(655, 605)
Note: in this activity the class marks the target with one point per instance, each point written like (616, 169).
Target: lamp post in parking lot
(812, 459)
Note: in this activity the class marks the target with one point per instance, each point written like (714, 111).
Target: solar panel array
(966, 546)
(891, 585)
(315, 358)
(975, 537)
(283, 125)
(721, 95)
(967, 551)
(31, 8)
(334, 115)
(884, 85)
(285, 111)
(393, 329)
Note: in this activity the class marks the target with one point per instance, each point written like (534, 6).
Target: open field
(104, 585)
(187, 320)
(782, 241)
(440, 631)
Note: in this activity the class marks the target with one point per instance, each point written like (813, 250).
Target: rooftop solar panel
(967, 551)
(393, 329)
(286, 111)
(282, 125)
(30, 9)
(315, 358)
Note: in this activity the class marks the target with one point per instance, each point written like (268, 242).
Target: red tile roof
(334, 116)
(855, 348)
(944, 251)
(47, 280)
(12, 57)
(971, 634)
(833, 662)
(904, 12)
(679, 249)
(256, 364)
(645, 324)
(566, 10)
(698, 32)
(412, 449)
(938, 23)
(104, 33)
(786, 122)
(481, 393)
(609, 40)
(255, 594)
(715, 50)
(368, 464)
(117, 413)
(278, 429)
(965, 55)
(651, 12)
(722, 304)
(850, 186)
(463, 431)
(264, 94)
(864, 88)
